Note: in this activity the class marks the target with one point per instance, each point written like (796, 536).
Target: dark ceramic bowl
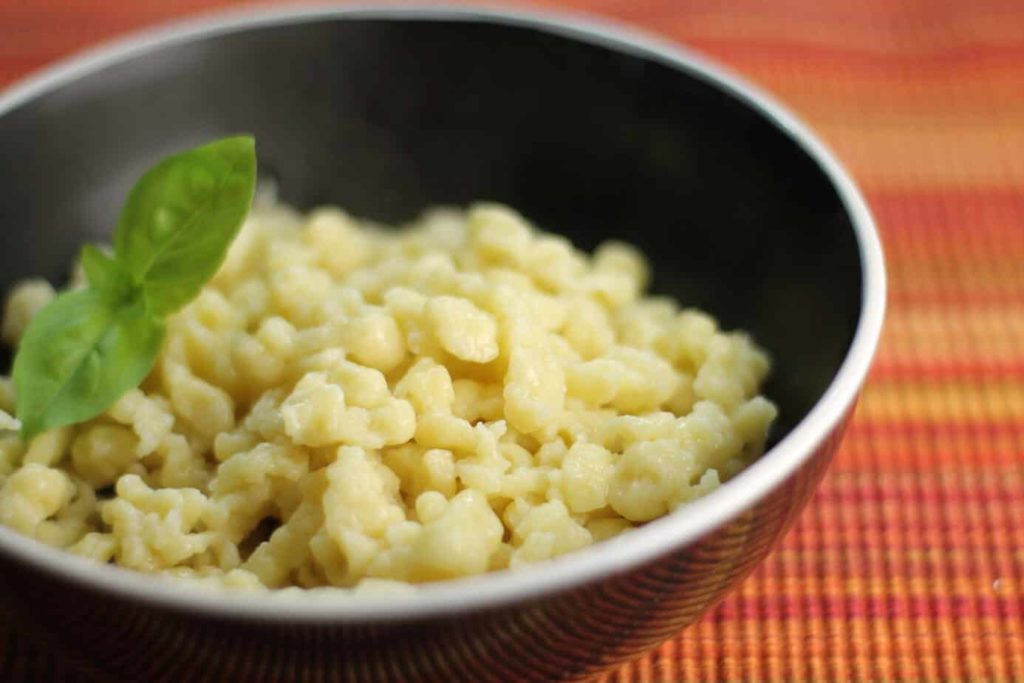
(590, 130)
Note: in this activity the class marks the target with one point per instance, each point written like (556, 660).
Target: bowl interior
(386, 117)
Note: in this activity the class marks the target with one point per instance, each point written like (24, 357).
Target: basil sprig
(87, 347)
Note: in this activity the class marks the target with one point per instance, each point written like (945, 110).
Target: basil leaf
(88, 347)
(105, 274)
(180, 219)
(79, 355)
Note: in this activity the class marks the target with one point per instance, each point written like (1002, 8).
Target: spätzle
(345, 405)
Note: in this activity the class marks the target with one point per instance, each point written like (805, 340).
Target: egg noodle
(347, 404)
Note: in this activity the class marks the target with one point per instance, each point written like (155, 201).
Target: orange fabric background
(909, 563)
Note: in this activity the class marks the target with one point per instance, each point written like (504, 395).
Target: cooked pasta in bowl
(346, 402)
(526, 434)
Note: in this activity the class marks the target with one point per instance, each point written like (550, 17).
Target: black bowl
(589, 131)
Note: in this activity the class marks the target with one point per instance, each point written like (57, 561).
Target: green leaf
(79, 355)
(88, 347)
(105, 274)
(180, 219)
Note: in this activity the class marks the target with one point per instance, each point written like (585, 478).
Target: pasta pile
(345, 403)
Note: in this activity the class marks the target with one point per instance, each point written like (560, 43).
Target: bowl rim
(619, 554)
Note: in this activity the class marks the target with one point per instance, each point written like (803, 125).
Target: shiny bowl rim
(678, 529)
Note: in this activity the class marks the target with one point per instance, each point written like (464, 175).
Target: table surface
(909, 562)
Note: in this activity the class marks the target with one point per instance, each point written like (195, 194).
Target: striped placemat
(909, 563)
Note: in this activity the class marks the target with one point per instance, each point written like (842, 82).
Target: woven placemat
(909, 562)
